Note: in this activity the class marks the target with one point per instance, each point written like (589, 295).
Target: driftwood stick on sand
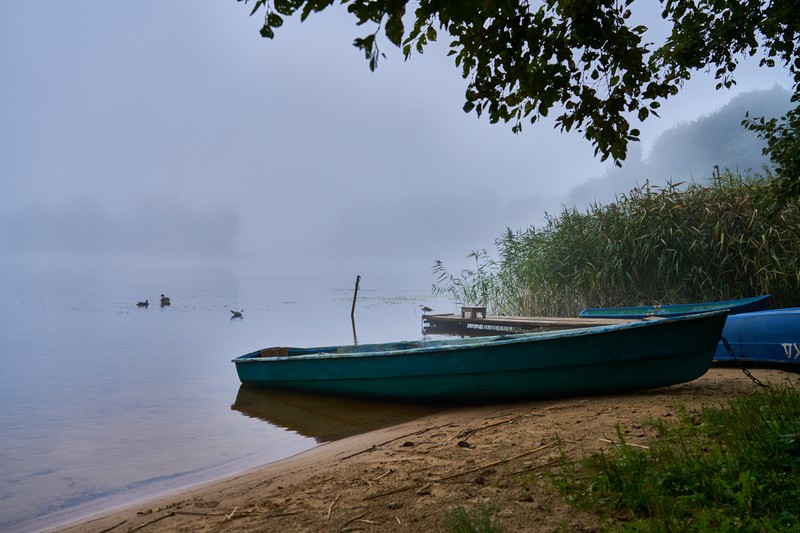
(424, 490)
(389, 493)
(265, 514)
(495, 463)
(384, 474)
(476, 469)
(466, 433)
(330, 507)
(113, 527)
(359, 517)
(151, 522)
(376, 446)
(530, 469)
(633, 444)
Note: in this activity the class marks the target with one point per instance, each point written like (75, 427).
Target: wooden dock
(452, 323)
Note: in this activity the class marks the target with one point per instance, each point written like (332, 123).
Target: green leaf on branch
(267, 32)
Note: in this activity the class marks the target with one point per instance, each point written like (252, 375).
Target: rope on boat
(741, 364)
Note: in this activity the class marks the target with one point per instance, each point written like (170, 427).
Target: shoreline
(406, 476)
(298, 464)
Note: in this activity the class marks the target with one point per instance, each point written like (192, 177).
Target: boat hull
(507, 367)
(734, 307)
(769, 337)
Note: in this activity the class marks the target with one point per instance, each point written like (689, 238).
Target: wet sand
(405, 477)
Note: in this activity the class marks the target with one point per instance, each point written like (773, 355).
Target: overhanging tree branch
(583, 59)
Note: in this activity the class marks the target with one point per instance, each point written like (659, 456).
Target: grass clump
(732, 468)
(459, 520)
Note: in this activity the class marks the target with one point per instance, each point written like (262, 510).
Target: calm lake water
(104, 403)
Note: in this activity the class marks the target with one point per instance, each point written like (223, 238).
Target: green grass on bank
(731, 468)
(459, 520)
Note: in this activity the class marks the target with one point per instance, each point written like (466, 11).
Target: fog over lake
(161, 131)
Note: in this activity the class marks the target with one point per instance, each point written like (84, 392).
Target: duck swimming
(237, 314)
(143, 304)
(164, 300)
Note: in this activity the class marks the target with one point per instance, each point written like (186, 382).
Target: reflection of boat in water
(323, 418)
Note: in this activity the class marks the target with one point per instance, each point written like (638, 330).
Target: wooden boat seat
(274, 352)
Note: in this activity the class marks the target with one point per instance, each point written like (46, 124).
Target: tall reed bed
(679, 243)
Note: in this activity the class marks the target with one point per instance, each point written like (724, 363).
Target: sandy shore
(404, 478)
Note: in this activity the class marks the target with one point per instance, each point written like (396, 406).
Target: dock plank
(451, 322)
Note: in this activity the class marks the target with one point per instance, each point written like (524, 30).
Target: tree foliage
(584, 59)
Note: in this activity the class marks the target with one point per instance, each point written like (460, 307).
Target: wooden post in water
(355, 295)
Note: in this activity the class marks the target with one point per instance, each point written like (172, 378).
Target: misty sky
(164, 129)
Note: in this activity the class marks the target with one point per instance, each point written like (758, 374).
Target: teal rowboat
(734, 307)
(603, 359)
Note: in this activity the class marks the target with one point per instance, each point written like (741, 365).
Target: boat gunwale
(451, 345)
(673, 310)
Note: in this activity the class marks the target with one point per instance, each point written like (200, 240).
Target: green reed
(732, 468)
(471, 286)
(679, 243)
(480, 520)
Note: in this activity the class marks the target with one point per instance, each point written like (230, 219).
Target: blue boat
(734, 307)
(602, 359)
(766, 337)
